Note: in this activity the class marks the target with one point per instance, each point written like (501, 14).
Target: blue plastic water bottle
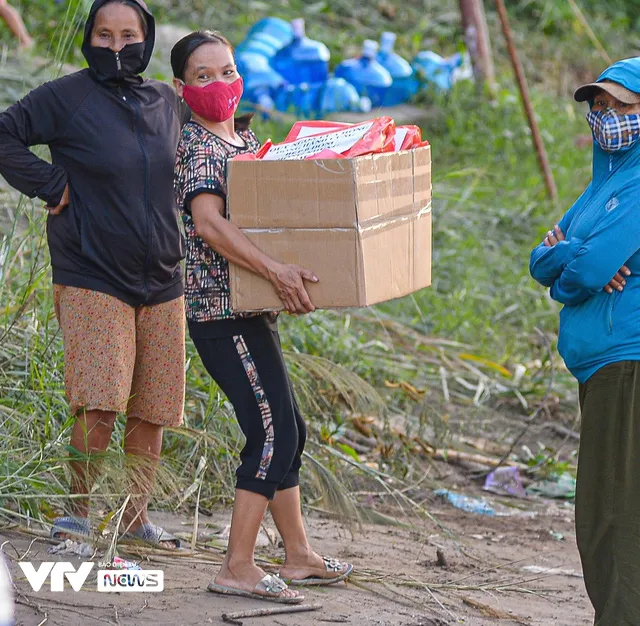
(404, 85)
(303, 99)
(261, 81)
(433, 69)
(339, 96)
(303, 60)
(366, 74)
(267, 37)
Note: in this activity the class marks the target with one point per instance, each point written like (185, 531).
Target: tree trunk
(476, 34)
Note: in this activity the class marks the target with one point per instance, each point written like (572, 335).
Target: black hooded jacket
(114, 142)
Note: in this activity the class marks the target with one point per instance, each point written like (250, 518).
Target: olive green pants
(608, 493)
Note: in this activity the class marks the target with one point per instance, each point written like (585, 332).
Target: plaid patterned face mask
(613, 131)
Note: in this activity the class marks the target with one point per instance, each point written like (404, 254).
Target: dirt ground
(398, 581)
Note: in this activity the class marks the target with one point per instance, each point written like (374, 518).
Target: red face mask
(216, 102)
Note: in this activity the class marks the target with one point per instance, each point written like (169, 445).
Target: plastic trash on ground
(471, 505)
(70, 547)
(505, 481)
(563, 487)
(551, 571)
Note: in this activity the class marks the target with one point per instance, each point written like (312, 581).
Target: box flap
(292, 194)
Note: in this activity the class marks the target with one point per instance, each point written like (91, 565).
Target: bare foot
(312, 565)
(246, 577)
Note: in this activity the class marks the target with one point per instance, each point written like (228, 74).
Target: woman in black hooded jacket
(115, 246)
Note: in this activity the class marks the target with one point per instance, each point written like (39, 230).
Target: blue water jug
(366, 74)
(303, 60)
(433, 69)
(316, 99)
(267, 37)
(261, 81)
(303, 99)
(404, 85)
(339, 95)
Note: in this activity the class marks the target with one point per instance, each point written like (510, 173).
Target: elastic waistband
(236, 326)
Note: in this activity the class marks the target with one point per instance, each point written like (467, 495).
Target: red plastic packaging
(314, 127)
(323, 139)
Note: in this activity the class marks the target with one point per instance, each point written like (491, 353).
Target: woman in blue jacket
(599, 340)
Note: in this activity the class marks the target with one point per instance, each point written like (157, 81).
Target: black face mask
(108, 65)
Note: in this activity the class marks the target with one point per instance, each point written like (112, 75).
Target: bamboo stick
(234, 618)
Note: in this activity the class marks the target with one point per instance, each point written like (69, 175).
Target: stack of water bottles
(285, 70)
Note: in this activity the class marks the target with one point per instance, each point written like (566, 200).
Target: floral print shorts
(122, 358)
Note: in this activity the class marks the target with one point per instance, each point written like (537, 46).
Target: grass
(433, 365)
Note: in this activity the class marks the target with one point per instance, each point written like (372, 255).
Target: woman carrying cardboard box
(242, 352)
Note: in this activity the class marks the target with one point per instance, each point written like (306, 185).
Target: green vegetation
(439, 363)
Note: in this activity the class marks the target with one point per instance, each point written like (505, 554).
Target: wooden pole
(526, 101)
(476, 34)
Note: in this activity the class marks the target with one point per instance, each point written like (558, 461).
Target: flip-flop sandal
(269, 588)
(152, 535)
(71, 525)
(332, 565)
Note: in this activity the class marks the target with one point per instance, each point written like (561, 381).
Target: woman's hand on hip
(553, 237)
(618, 282)
(288, 281)
(62, 205)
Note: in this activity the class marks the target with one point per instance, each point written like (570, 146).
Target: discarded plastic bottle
(366, 74)
(465, 503)
(261, 81)
(404, 85)
(303, 60)
(267, 37)
(433, 69)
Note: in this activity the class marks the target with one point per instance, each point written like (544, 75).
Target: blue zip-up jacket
(602, 231)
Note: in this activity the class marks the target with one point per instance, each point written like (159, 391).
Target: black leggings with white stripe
(244, 357)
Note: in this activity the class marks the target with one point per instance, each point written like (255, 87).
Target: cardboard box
(362, 225)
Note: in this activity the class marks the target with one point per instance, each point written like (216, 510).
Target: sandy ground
(482, 581)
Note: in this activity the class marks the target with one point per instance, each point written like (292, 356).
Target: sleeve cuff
(191, 195)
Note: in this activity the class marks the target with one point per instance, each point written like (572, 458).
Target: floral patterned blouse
(201, 167)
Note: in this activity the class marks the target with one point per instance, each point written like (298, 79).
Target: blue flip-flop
(71, 525)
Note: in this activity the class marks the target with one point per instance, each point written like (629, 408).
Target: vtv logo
(57, 572)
